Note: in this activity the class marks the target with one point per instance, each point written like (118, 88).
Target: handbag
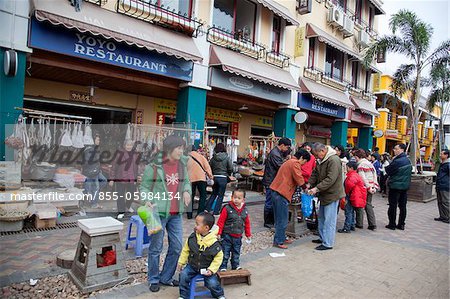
(209, 181)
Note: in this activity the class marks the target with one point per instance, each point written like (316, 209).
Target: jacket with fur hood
(327, 178)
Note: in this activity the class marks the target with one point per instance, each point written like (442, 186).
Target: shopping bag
(342, 203)
(150, 216)
(307, 206)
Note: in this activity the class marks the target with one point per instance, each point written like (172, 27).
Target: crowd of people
(332, 174)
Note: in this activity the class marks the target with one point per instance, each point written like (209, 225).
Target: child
(356, 196)
(203, 255)
(232, 222)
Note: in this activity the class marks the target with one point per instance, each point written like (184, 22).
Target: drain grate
(30, 229)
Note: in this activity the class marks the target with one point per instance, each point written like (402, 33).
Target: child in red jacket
(233, 221)
(356, 196)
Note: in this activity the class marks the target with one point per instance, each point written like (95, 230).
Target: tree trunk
(415, 131)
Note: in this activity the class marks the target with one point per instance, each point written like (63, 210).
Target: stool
(193, 293)
(98, 237)
(141, 240)
(295, 229)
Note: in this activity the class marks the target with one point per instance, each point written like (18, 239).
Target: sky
(434, 12)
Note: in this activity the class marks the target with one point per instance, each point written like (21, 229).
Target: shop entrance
(99, 115)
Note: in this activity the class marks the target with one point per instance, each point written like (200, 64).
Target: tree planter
(421, 189)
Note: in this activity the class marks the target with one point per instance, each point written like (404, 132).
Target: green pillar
(191, 108)
(284, 124)
(11, 95)
(339, 133)
(365, 138)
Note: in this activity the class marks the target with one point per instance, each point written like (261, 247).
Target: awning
(378, 9)
(245, 66)
(365, 106)
(325, 93)
(121, 28)
(279, 10)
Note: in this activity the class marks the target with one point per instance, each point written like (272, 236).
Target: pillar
(11, 95)
(191, 109)
(339, 133)
(284, 124)
(365, 138)
(382, 125)
(430, 133)
(420, 130)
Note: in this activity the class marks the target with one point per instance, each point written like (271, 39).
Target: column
(339, 132)
(365, 138)
(11, 95)
(382, 125)
(284, 124)
(191, 108)
(420, 130)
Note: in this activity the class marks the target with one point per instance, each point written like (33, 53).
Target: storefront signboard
(139, 116)
(69, 42)
(80, 96)
(391, 133)
(264, 122)
(361, 117)
(249, 87)
(318, 131)
(308, 103)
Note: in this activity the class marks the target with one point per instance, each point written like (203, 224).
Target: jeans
(327, 223)
(268, 206)
(216, 199)
(349, 215)
(201, 187)
(397, 198)
(174, 226)
(93, 186)
(281, 212)
(211, 282)
(124, 201)
(231, 246)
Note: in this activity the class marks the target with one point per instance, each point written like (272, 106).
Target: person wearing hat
(166, 186)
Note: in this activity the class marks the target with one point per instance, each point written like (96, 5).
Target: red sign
(319, 132)
(160, 118)
(361, 117)
(234, 130)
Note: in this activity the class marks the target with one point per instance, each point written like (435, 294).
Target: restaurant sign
(95, 48)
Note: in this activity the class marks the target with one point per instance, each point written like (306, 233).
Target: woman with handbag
(199, 172)
(221, 168)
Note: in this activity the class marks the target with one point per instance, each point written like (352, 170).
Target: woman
(123, 174)
(199, 170)
(221, 168)
(165, 185)
(343, 155)
(385, 161)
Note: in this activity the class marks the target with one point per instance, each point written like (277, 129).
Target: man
(308, 167)
(287, 179)
(442, 188)
(399, 173)
(273, 163)
(376, 153)
(326, 180)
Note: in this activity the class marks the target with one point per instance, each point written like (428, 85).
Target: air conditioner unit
(336, 17)
(364, 38)
(349, 26)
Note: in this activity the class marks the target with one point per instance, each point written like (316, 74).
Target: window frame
(311, 56)
(371, 16)
(278, 34)
(368, 75)
(334, 54)
(358, 11)
(355, 73)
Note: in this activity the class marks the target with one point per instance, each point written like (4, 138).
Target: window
(371, 17)
(368, 76)
(183, 7)
(276, 34)
(334, 63)
(355, 73)
(446, 129)
(312, 45)
(237, 16)
(358, 11)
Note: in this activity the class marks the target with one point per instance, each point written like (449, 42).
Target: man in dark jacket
(273, 163)
(399, 173)
(443, 187)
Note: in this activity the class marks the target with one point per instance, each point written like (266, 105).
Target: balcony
(326, 78)
(392, 123)
(159, 15)
(278, 59)
(236, 42)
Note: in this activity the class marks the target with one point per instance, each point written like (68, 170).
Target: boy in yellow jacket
(201, 254)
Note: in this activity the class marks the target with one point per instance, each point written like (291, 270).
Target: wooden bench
(235, 276)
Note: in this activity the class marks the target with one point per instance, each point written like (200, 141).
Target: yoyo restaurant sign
(308, 103)
(73, 43)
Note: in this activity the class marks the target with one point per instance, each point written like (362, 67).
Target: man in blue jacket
(442, 188)
(399, 173)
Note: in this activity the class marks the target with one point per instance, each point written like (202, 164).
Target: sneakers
(239, 268)
(154, 287)
(120, 216)
(223, 270)
(221, 297)
(344, 230)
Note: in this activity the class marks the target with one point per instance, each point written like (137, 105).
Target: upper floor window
(276, 34)
(368, 76)
(334, 63)
(371, 16)
(355, 73)
(183, 7)
(237, 16)
(312, 50)
(358, 11)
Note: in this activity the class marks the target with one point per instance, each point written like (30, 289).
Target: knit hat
(171, 142)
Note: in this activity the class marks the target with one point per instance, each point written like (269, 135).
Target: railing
(235, 41)
(159, 15)
(392, 121)
(97, 2)
(277, 58)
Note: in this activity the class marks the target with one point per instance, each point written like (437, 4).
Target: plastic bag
(342, 203)
(307, 206)
(151, 219)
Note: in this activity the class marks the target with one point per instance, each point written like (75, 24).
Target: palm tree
(411, 37)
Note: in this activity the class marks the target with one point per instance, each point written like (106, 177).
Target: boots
(268, 219)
